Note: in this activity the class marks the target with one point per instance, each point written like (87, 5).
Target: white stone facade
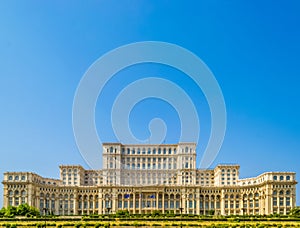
(143, 178)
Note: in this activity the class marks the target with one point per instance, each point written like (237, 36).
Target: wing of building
(144, 178)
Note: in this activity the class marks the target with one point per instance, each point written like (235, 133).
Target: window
(16, 177)
(274, 178)
(281, 178)
(288, 202)
(10, 177)
(281, 201)
(23, 178)
(288, 178)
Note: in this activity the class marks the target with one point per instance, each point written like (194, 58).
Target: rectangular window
(10, 201)
(281, 201)
(288, 202)
(226, 204)
(274, 201)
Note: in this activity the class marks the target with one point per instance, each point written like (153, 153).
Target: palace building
(144, 178)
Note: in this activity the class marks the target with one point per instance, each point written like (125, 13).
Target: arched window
(281, 178)
(274, 192)
(288, 178)
(288, 192)
(274, 178)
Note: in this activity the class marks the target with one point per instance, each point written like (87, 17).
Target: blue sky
(252, 47)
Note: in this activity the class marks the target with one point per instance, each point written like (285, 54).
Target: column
(100, 210)
(241, 203)
(156, 197)
(133, 202)
(94, 204)
(248, 205)
(140, 203)
(284, 204)
(56, 205)
(215, 204)
(75, 203)
(184, 204)
(222, 205)
(278, 203)
(163, 202)
(114, 202)
(234, 206)
(198, 204)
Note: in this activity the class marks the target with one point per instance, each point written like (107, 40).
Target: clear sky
(252, 47)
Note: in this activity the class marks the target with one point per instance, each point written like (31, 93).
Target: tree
(23, 209)
(295, 211)
(10, 212)
(2, 212)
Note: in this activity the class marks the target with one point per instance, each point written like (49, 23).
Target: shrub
(97, 225)
(106, 225)
(77, 225)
